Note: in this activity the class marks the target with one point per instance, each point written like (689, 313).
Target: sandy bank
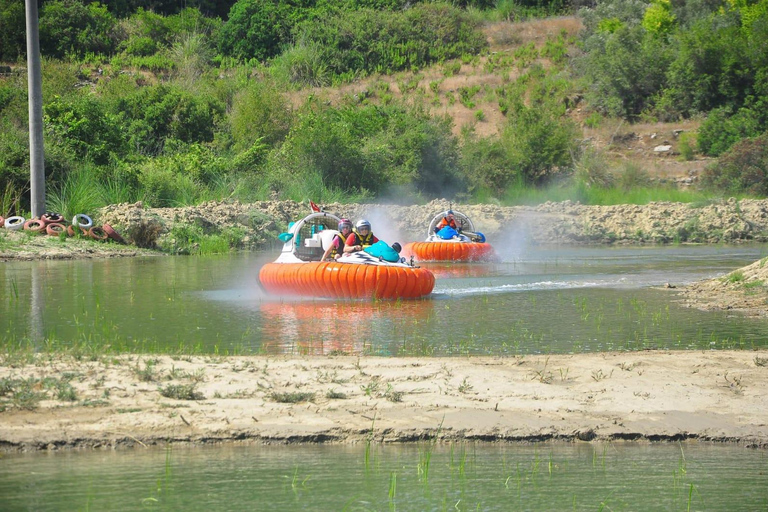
(119, 402)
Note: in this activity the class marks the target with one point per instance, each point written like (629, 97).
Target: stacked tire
(55, 224)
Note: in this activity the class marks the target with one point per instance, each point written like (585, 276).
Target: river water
(418, 477)
(544, 300)
(553, 300)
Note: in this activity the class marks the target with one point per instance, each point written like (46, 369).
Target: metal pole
(35, 88)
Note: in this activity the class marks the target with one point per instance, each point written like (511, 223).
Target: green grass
(80, 193)
(27, 393)
(600, 196)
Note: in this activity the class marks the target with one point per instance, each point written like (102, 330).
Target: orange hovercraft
(360, 275)
(451, 243)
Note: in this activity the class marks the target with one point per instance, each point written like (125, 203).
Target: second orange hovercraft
(451, 236)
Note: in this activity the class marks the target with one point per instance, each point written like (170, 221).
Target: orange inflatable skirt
(449, 251)
(344, 280)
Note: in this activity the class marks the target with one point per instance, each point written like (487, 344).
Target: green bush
(484, 164)
(14, 166)
(367, 148)
(721, 130)
(157, 113)
(259, 113)
(743, 169)
(538, 142)
(72, 27)
(141, 46)
(301, 65)
(257, 29)
(625, 70)
(370, 41)
(162, 187)
(13, 41)
(81, 124)
(687, 146)
(710, 69)
(79, 192)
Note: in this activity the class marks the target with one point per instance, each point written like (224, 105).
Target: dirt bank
(744, 290)
(548, 223)
(258, 224)
(119, 402)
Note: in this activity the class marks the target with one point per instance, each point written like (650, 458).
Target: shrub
(743, 169)
(591, 170)
(141, 46)
(259, 113)
(70, 26)
(371, 41)
(537, 142)
(79, 192)
(721, 130)
(484, 163)
(626, 70)
(256, 29)
(632, 176)
(301, 65)
(14, 157)
(82, 124)
(367, 148)
(687, 146)
(13, 42)
(710, 69)
(157, 113)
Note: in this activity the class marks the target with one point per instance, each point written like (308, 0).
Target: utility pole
(35, 88)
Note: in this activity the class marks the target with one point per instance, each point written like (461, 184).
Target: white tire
(14, 223)
(82, 220)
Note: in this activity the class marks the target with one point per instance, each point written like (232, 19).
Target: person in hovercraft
(360, 238)
(449, 220)
(336, 247)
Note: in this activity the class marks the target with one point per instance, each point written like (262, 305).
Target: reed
(368, 443)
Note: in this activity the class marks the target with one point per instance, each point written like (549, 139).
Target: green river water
(547, 300)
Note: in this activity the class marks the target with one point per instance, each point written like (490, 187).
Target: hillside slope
(439, 88)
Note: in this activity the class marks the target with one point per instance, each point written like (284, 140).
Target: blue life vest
(447, 233)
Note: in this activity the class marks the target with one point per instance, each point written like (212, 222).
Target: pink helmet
(345, 222)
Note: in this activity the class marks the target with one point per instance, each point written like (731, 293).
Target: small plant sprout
(598, 375)
(544, 376)
(465, 386)
(627, 367)
(734, 382)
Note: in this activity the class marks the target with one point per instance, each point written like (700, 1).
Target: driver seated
(360, 238)
(449, 220)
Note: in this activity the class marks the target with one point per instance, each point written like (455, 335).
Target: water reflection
(459, 270)
(350, 327)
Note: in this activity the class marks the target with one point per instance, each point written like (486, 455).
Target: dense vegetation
(145, 100)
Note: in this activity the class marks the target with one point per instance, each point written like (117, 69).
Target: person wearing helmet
(360, 238)
(336, 247)
(448, 220)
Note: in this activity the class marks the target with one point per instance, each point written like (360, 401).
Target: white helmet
(362, 223)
